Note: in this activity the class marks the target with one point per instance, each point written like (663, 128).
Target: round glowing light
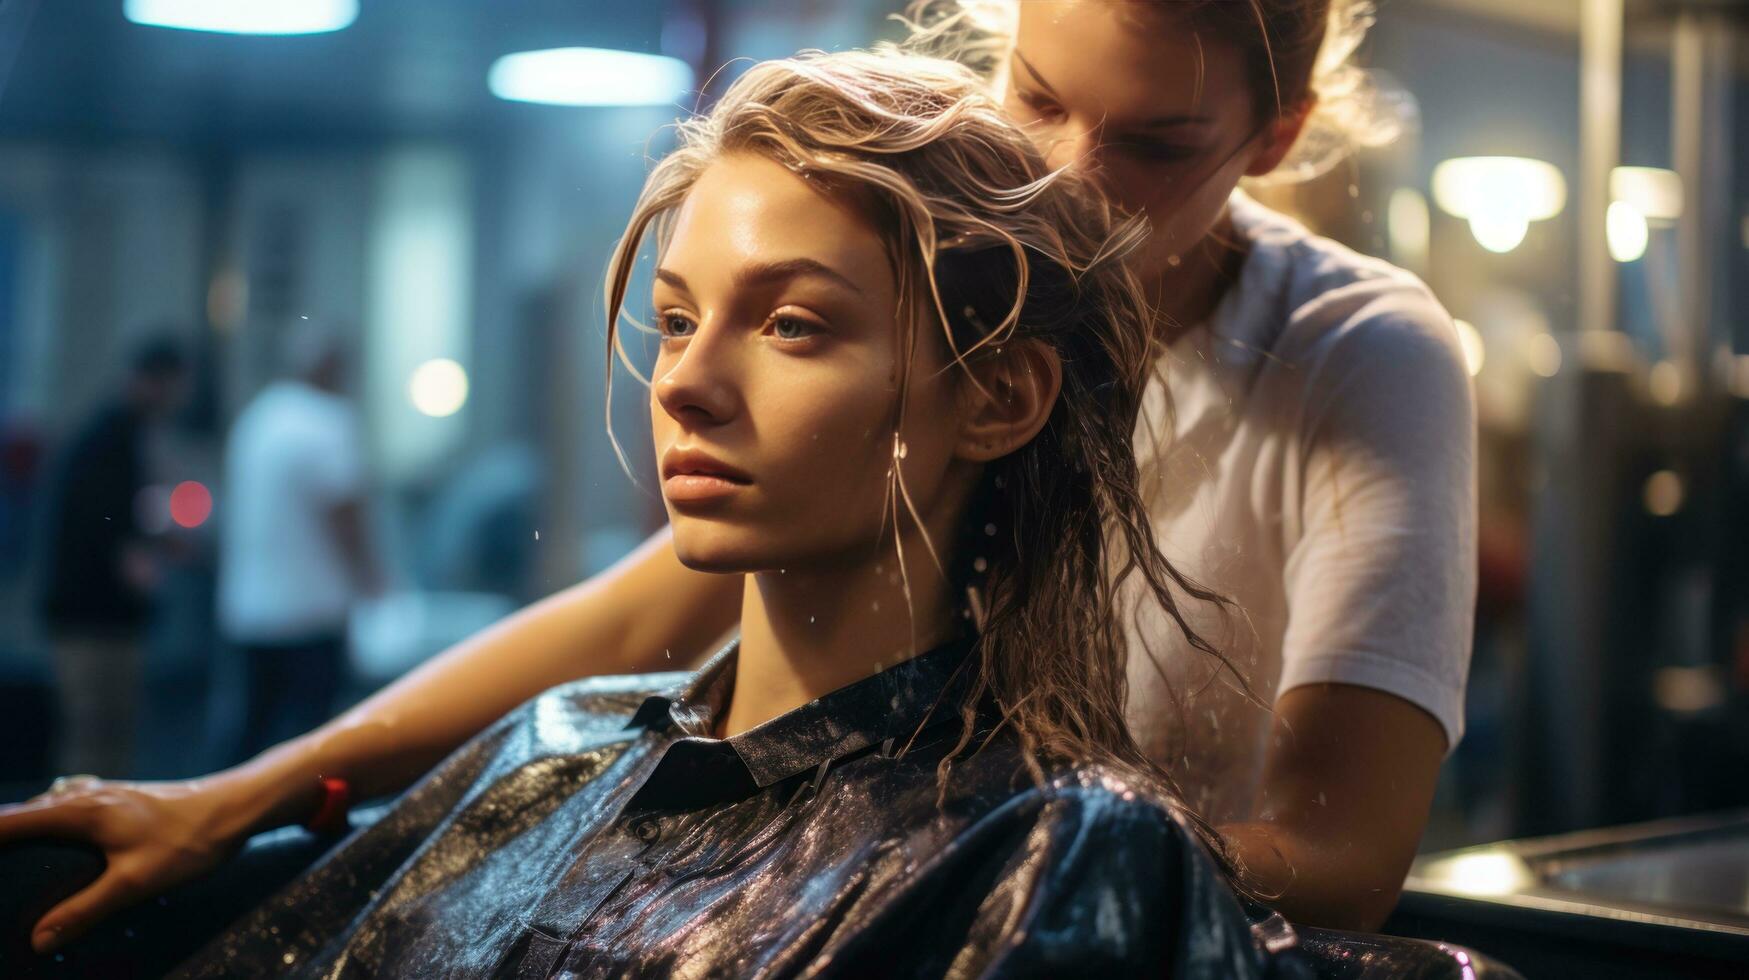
(1654, 192)
(1665, 383)
(191, 504)
(1543, 353)
(438, 388)
(1471, 340)
(1499, 233)
(589, 76)
(1663, 493)
(244, 16)
(1627, 231)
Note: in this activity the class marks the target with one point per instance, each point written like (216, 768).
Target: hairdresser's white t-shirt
(1315, 463)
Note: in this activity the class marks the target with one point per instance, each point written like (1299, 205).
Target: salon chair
(150, 939)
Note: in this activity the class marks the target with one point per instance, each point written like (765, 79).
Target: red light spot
(190, 504)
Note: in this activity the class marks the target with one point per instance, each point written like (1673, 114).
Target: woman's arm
(648, 612)
(155, 835)
(1347, 791)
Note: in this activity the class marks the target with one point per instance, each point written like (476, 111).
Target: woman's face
(1165, 120)
(774, 394)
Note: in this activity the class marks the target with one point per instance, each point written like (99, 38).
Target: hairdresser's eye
(671, 324)
(792, 328)
(1153, 150)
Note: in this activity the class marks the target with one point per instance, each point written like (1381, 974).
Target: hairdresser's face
(1165, 121)
(774, 395)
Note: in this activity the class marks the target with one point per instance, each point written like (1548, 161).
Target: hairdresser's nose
(696, 385)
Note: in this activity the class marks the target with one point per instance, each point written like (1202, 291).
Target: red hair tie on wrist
(330, 815)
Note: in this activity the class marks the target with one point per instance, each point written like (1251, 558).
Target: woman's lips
(695, 476)
(699, 487)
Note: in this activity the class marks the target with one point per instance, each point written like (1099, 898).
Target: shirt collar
(892, 704)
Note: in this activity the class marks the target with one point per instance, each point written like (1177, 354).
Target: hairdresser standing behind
(1315, 460)
(1317, 466)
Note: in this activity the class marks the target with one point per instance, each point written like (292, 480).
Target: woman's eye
(792, 328)
(1042, 109)
(675, 325)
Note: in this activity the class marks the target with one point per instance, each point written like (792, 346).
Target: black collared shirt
(600, 831)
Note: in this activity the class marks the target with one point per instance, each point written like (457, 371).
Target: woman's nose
(697, 386)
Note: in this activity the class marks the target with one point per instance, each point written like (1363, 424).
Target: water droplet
(537, 535)
(810, 619)
(979, 565)
(783, 571)
(668, 654)
(288, 958)
(901, 450)
(876, 606)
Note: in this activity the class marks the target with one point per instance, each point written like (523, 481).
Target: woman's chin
(707, 550)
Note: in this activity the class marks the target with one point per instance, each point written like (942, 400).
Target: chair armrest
(1338, 955)
(152, 937)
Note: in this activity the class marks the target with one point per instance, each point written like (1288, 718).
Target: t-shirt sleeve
(1381, 582)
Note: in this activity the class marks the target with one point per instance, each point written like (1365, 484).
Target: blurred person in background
(1315, 462)
(295, 549)
(100, 567)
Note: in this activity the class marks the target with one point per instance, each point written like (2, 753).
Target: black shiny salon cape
(599, 831)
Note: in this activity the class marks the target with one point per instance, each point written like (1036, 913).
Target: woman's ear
(1007, 399)
(1279, 138)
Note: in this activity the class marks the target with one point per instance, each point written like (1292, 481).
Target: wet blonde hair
(993, 249)
(1294, 51)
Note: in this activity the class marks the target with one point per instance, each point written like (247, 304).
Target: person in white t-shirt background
(1315, 462)
(294, 551)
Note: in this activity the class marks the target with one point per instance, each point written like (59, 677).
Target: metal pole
(1600, 30)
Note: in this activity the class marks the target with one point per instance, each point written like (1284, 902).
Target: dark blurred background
(232, 196)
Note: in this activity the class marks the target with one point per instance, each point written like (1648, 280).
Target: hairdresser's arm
(1348, 786)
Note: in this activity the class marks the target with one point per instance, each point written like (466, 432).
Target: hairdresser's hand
(153, 835)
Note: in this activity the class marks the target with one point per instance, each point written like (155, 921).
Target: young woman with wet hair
(897, 365)
(1316, 466)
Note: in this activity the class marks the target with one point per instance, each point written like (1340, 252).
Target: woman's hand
(153, 835)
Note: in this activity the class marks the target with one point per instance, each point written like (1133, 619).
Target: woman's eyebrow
(765, 273)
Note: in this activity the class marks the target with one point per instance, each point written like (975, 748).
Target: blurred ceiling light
(1543, 353)
(438, 388)
(1663, 493)
(1655, 192)
(1471, 340)
(1407, 223)
(1499, 196)
(244, 16)
(1625, 227)
(589, 76)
